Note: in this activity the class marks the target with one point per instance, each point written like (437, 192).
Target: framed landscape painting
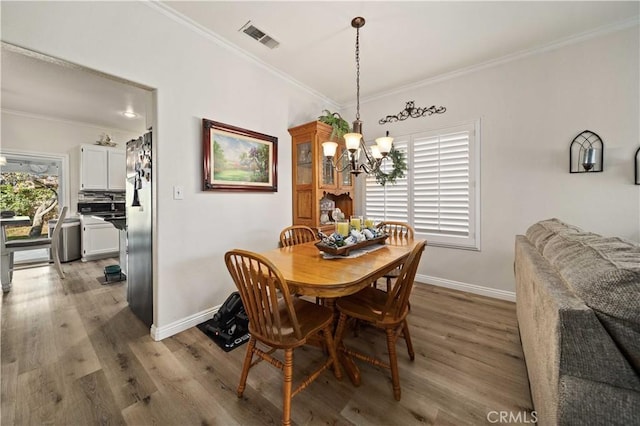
(237, 159)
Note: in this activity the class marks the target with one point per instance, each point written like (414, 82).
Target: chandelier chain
(357, 73)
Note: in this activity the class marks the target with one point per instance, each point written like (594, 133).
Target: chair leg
(393, 362)
(388, 284)
(407, 338)
(246, 366)
(56, 262)
(286, 387)
(332, 351)
(11, 266)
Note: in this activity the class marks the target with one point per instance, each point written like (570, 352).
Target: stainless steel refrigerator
(139, 235)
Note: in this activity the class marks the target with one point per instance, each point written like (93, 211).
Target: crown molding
(220, 41)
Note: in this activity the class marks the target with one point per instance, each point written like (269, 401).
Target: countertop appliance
(139, 235)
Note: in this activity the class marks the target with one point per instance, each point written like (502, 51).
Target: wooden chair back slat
(265, 294)
(297, 234)
(397, 229)
(398, 298)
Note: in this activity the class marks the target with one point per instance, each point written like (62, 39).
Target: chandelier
(360, 157)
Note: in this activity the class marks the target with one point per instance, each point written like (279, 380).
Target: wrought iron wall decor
(586, 153)
(637, 167)
(411, 111)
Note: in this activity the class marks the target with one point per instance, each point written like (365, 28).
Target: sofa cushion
(586, 402)
(539, 233)
(605, 273)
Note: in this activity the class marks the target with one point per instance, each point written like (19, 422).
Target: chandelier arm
(367, 156)
(335, 162)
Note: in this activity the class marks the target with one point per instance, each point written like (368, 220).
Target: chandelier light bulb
(384, 144)
(352, 141)
(329, 148)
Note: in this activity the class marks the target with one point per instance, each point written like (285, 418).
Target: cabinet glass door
(328, 173)
(345, 179)
(303, 163)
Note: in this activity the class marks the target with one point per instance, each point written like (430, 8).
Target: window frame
(472, 241)
(63, 181)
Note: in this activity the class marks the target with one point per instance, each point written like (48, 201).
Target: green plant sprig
(339, 126)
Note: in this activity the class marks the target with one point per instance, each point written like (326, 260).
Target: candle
(342, 228)
(356, 222)
(368, 223)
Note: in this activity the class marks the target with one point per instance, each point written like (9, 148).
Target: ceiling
(38, 85)
(401, 44)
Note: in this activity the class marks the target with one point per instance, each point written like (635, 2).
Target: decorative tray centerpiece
(339, 245)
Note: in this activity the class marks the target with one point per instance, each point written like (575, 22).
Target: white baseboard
(470, 288)
(159, 333)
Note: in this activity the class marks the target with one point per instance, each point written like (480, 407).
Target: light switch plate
(178, 192)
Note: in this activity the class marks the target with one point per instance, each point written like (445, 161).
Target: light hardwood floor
(74, 354)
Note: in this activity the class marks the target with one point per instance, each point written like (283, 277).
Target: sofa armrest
(560, 335)
(540, 296)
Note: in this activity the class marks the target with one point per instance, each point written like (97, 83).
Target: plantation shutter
(389, 202)
(441, 184)
(440, 196)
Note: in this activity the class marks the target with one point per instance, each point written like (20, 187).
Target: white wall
(21, 132)
(530, 111)
(195, 78)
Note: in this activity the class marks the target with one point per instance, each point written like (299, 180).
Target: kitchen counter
(117, 219)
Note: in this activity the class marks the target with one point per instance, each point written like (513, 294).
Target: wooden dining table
(308, 273)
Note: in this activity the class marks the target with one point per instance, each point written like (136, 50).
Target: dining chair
(296, 234)
(395, 230)
(278, 321)
(51, 243)
(384, 310)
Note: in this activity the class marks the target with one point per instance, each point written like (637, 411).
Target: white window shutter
(389, 202)
(439, 196)
(441, 184)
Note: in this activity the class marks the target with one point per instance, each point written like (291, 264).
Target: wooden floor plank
(89, 401)
(75, 351)
(9, 375)
(40, 396)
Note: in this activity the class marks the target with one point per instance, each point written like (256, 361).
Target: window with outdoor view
(30, 186)
(439, 195)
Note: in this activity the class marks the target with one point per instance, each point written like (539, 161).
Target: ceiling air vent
(259, 35)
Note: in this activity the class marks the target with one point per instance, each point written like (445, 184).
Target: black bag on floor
(229, 327)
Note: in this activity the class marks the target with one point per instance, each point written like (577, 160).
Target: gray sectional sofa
(578, 307)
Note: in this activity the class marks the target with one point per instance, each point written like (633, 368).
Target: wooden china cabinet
(315, 179)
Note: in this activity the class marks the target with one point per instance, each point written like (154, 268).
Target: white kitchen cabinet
(102, 168)
(116, 170)
(99, 239)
